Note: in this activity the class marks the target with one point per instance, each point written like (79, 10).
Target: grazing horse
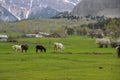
(40, 47)
(118, 51)
(24, 47)
(58, 46)
(17, 47)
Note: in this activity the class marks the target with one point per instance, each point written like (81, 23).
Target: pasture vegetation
(81, 60)
(32, 26)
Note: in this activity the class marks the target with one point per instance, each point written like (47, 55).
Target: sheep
(115, 43)
(103, 42)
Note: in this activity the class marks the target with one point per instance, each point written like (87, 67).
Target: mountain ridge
(22, 9)
(108, 8)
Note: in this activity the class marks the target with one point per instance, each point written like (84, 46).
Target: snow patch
(9, 9)
(28, 12)
(67, 1)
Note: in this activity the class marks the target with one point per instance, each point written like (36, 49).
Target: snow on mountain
(28, 12)
(72, 2)
(23, 8)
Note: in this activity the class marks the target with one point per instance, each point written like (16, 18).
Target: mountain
(25, 9)
(6, 16)
(108, 8)
(44, 13)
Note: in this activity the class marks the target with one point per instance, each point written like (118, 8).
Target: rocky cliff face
(108, 8)
(6, 16)
(42, 13)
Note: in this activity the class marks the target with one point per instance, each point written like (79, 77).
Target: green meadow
(81, 60)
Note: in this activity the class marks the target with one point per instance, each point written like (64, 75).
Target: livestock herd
(102, 42)
(24, 48)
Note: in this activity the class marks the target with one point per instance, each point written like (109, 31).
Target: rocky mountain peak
(108, 8)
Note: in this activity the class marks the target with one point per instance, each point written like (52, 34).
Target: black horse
(40, 47)
(118, 51)
(24, 47)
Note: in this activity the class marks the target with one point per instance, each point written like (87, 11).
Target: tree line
(109, 27)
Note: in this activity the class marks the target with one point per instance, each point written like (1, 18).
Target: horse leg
(44, 50)
(106, 46)
(41, 50)
(100, 45)
(26, 51)
(55, 48)
(18, 50)
(22, 50)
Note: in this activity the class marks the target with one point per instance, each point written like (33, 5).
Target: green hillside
(44, 25)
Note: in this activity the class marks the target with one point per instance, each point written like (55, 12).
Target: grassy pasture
(81, 60)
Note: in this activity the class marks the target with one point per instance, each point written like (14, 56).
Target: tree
(70, 31)
(113, 28)
(82, 31)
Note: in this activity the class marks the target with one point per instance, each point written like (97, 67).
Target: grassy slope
(44, 25)
(77, 65)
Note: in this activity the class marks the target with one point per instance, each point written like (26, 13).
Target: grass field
(81, 60)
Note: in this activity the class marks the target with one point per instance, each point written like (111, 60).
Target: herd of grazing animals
(105, 42)
(102, 42)
(24, 48)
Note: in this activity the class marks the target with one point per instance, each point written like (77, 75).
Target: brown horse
(41, 48)
(24, 47)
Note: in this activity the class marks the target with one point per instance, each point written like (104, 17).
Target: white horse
(58, 46)
(17, 47)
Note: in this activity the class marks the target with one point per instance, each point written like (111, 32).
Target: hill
(108, 8)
